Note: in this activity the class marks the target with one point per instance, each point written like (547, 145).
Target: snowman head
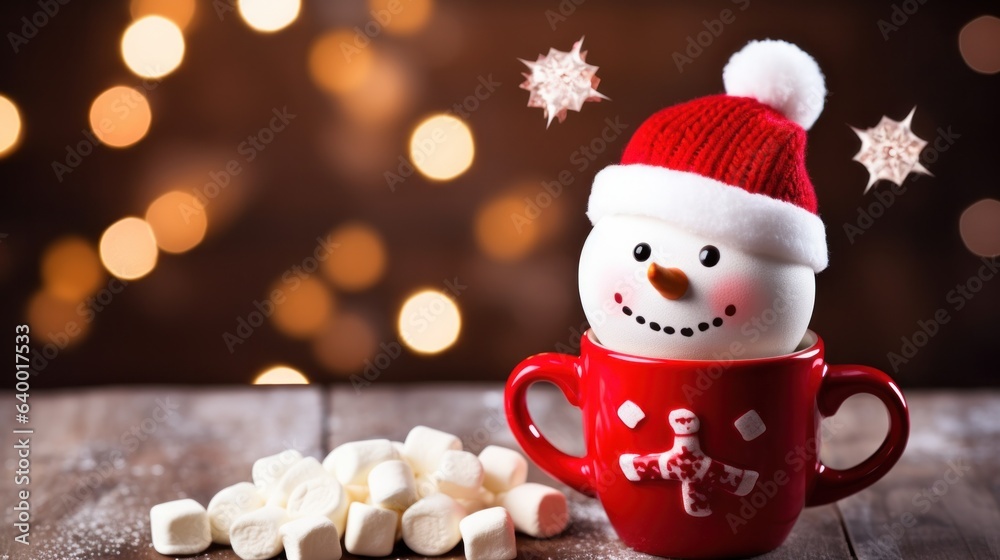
(706, 238)
(650, 288)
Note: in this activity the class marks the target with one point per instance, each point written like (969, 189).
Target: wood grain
(474, 413)
(940, 500)
(101, 458)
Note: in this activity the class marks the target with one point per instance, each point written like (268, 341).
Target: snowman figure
(706, 238)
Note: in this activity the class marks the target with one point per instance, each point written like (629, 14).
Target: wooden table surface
(101, 458)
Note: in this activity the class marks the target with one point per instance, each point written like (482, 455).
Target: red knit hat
(731, 167)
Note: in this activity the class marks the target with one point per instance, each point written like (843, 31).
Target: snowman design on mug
(706, 240)
(685, 462)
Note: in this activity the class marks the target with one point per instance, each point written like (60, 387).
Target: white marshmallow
(483, 499)
(398, 446)
(459, 474)
(320, 496)
(351, 462)
(503, 468)
(371, 530)
(430, 526)
(306, 469)
(357, 492)
(257, 535)
(424, 447)
(489, 535)
(391, 485)
(311, 538)
(426, 485)
(537, 510)
(267, 471)
(230, 503)
(180, 527)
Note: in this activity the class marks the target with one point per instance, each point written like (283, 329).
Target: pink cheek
(736, 291)
(619, 287)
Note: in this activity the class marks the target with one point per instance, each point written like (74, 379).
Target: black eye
(642, 252)
(709, 255)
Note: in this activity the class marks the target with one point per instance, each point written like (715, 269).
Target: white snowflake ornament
(890, 150)
(560, 81)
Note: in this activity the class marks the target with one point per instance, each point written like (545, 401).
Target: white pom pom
(780, 75)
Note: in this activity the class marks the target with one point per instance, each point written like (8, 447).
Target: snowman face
(651, 289)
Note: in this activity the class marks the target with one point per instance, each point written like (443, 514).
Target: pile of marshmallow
(426, 491)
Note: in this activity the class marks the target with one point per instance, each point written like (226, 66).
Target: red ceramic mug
(698, 458)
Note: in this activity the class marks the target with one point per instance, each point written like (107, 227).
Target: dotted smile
(686, 331)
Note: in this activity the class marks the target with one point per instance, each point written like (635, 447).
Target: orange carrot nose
(672, 283)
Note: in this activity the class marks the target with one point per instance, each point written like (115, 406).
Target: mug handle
(839, 383)
(564, 371)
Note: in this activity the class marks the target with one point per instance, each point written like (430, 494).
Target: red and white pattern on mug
(685, 462)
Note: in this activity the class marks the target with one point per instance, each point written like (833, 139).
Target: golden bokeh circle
(71, 269)
(178, 220)
(357, 259)
(120, 116)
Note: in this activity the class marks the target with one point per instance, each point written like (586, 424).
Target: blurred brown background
(325, 171)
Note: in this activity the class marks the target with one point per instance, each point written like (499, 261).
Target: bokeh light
(10, 125)
(55, 320)
(980, 227)
(120, 116)
(153, 46)
(386, 92)
(979, 42)
(269, 16)
(358, 258)
(281, 375)
(336, 64)
(503, 231)
(356, 151)
(429, 322)
(71, 269)
(305, 308)
(345, 343)
(178, 220)
(178, 11)
(128, 248)
(441, 147)
(402, 18)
